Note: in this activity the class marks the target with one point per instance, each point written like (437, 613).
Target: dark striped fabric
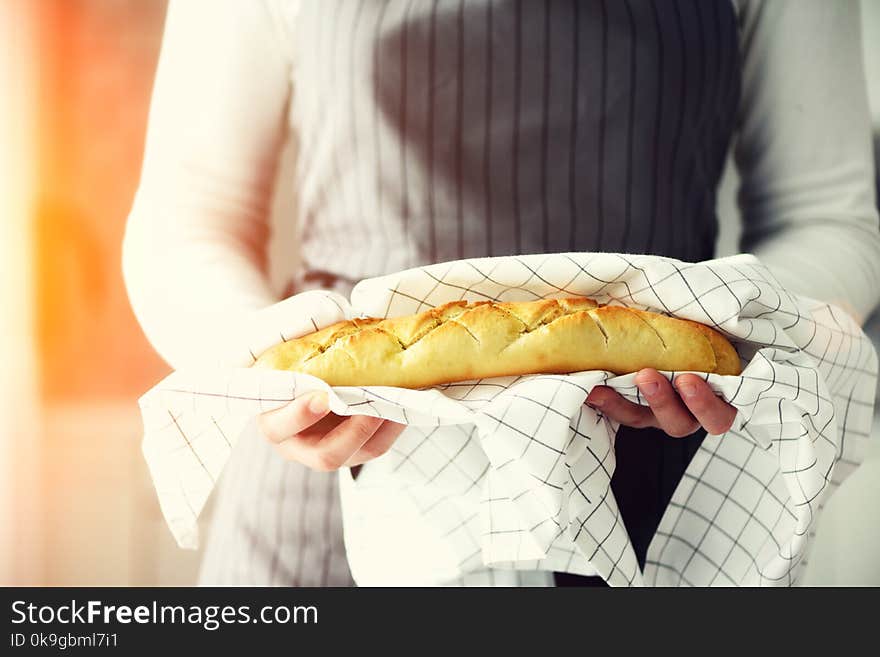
(434, 131)
(439, 130)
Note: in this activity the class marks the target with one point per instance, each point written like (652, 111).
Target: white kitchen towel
(516, 471)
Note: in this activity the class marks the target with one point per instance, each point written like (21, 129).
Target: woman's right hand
(307, 432)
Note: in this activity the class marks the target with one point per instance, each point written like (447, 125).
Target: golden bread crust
(459, 341)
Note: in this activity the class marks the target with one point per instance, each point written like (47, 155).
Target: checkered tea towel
(516, 471)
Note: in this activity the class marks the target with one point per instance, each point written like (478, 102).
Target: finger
(316, 432)
(619, 409)
(376, 446)
(335, 447)
(303, 447)
(314, 447)
(715, 414)
(292, 418)
(672, 415)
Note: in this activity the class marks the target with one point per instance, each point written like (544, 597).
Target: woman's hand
(306, 432)
(678, 411)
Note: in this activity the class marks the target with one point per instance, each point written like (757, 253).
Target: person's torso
(438, 130)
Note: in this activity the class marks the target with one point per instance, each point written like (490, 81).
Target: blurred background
(76, 503)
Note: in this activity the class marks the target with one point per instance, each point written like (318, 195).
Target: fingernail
(649, 389)
(686, 390)
(318, 403)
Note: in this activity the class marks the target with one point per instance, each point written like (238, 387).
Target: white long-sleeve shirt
(195, 245)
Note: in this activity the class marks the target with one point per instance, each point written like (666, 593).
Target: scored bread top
(460, 341)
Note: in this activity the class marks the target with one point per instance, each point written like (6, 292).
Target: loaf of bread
(460, 341)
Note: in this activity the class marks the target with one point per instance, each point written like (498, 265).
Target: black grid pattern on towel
(515, 472)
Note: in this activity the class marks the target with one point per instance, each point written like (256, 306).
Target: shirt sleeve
(194, 251)
(804, 151)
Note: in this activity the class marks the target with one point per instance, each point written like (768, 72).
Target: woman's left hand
(679, 411)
